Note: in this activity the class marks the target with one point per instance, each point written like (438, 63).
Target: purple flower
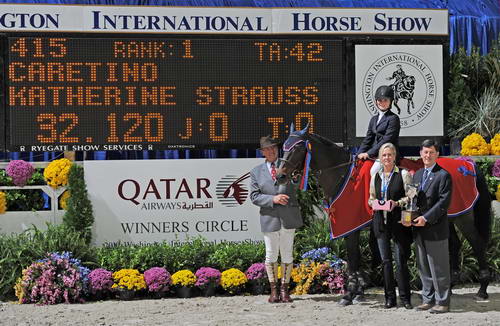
(100, 280)
(206, 275)
(157, 279)
(256, 271)
(495, 171)
(20, 171)
(466, 158)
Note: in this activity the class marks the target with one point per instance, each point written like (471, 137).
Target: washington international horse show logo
(413, 82)
(232, 190)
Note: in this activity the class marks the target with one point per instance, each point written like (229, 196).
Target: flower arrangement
(157, 279)
(20, 171)
(56, 173)
(495, 170)
(184, 278)
(495, 145)
(206, 276)
(128, 279)
(3, 203)
(256, 272)
(233, 280)
(100, 281)
(63, 200)
(307, 277)
(334, 278)
(49, 281)
(474, 144)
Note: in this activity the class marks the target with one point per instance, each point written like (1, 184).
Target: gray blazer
(273, 216)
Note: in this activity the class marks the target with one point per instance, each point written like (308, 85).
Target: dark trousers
(402, 252)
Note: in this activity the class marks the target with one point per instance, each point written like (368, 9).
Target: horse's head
(294, 150)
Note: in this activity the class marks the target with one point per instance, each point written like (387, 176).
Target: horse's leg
(353, 266)
(465, 224)
(396, 105)
(454, 246)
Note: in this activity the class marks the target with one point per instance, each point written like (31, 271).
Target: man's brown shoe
(438, 309)
(424, 306)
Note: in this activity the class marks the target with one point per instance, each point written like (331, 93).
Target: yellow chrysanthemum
(474, 145)
(184, 278)
(232, 279)
(498, 193)
(129, 279)
(495, 145)
(56, 173)
(63, 200)
(3, 203)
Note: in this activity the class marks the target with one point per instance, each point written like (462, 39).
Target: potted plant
(127, 282)
(233, 281)
(257, 276)
(207, 280)
(184, 281)
(20, 171)
(158, 281)
(100, 283)
(55, 279)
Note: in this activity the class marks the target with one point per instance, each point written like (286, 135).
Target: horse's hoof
(359, 298)
(345, 302)
(480, 296)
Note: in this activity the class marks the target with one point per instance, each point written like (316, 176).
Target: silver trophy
(410, 212)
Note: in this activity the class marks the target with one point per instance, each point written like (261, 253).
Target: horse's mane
(325, 141)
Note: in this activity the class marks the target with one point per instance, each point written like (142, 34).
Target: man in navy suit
(432, 231)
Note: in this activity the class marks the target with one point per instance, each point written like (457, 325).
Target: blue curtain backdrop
(472, 23)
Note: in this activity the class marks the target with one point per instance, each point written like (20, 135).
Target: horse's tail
(482, 209)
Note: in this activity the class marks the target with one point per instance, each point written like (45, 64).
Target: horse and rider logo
(413, 82)
(232, 190)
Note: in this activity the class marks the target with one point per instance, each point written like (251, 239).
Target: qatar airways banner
(151, 19)
(143, 202)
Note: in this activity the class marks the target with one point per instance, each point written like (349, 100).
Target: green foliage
(19, 251)
(486, 165)
(237, 255)
(310, 199)
(24, 199)
(79, 216)
(470, 105)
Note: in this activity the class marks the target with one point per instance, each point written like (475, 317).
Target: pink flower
(20, 171)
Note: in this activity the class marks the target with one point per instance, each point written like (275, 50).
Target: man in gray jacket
(279, 217)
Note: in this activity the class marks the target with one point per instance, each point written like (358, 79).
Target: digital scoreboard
(89, 93)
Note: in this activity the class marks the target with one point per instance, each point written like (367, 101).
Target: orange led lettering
(203, 95)
(165, 95)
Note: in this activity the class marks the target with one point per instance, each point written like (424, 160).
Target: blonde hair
(385, 146)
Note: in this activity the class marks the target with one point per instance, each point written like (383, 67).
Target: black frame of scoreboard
(348, 134)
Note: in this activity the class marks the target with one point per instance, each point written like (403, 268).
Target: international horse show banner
(416, 74)
(151, 19)
(142, 202)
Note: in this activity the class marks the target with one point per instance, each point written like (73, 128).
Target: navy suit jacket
(387, 131)
(433, 202)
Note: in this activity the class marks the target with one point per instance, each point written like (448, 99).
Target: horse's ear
(305, 130)
(292, 128)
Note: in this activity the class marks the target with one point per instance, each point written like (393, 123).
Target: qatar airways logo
(232, 190)
(183, 193)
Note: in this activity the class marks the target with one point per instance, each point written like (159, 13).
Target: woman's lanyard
(385, 184)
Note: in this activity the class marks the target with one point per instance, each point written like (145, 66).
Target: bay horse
(337, 172)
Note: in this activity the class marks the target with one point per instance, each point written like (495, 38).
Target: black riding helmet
(384, 92)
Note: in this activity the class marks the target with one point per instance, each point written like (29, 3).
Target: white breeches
(279, 242)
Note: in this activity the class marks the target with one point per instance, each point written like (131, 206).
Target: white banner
(416, 74)
(141, 202)
(151, 19)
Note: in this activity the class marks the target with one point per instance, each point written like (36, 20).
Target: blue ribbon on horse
(305, 174)
(465, 172)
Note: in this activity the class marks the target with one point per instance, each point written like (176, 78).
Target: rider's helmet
(384, 92)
